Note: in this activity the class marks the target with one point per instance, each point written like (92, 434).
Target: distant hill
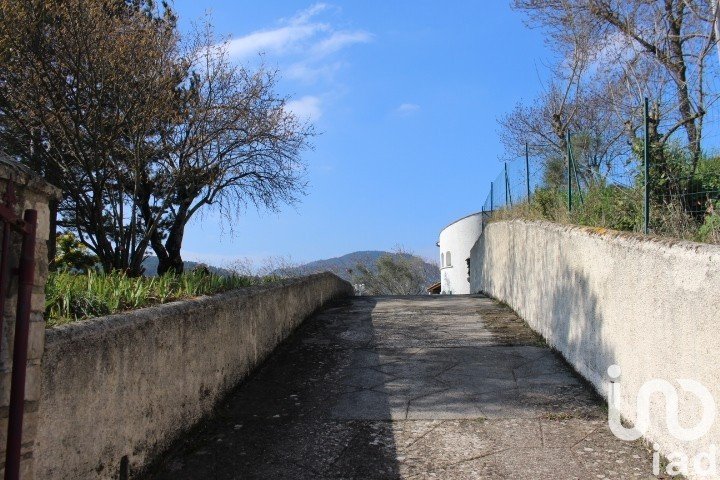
(340, 266)
(151, 266)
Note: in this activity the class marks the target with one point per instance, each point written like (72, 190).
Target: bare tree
(398, 274)
(235, 144)
(670, 41)
(573, 103)
(281, 266)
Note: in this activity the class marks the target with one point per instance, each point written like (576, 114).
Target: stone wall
(32, 193)
(605, 298)
(117, 390)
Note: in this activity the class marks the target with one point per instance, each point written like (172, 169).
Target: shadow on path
(280, 422)
(450, 387)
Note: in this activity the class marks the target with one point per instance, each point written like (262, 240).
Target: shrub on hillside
(611, 206)
(399, 274)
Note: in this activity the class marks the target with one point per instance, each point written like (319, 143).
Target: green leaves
(72, 254)
(71, 296)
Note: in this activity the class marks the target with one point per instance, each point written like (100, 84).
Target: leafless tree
(668, 41)
(235, 144)
(573, 102)
(281, 266)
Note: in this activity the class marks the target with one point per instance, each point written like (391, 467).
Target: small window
(448, 262)
(442, 259)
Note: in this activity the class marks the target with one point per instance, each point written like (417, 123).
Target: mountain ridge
(344, 264)
(341, 266)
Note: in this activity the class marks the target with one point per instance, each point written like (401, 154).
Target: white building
(455, 243)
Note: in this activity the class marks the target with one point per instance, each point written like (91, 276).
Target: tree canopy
(139, 127)
(610, 55)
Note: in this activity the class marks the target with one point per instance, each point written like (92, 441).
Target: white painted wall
(458, 238)
(650, 306)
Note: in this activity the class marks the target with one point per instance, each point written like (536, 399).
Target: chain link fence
(668, 194)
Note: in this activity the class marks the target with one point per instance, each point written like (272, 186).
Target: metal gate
(26, 227)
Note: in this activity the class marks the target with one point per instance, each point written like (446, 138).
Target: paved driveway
(447, 387)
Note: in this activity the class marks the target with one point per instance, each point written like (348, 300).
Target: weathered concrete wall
(127, 385)
(32, 193)
(602, 298)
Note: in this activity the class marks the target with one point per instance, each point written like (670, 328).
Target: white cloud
(307, 14)
(301, 34)
(307, 107)
(339, 40)
(407, 109)
(279, 40)
(308, 49)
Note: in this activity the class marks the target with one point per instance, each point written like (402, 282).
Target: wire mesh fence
(663, 195)
(687, 206)
(513, 186)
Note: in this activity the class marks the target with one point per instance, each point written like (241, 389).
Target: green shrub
(549, 203)
(684, 200)
(72, 254)
(615, 207)
(709, 231)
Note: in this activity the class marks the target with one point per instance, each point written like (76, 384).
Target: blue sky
(405, 94)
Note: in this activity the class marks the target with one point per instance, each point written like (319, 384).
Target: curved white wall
(458, 238)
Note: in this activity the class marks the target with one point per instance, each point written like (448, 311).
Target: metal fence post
(646, 166)
(527, 171)
(575, 174)
(492, 197)
(569, 171)
(508, 197)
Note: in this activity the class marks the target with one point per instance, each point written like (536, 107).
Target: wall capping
(131, 318)
(117, 391)
(631, 239)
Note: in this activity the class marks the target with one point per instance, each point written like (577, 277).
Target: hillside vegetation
(346, 266)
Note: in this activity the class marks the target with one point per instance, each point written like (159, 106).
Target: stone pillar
(32, 192)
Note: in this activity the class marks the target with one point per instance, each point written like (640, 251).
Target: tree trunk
(678, 67)
(173, 263)
(716, 25)
(172, 260)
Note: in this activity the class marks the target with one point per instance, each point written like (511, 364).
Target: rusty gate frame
(27, 227)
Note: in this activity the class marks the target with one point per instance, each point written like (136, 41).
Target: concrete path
(447, 387)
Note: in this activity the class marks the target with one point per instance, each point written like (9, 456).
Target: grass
(71, 297)
(619, 209)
